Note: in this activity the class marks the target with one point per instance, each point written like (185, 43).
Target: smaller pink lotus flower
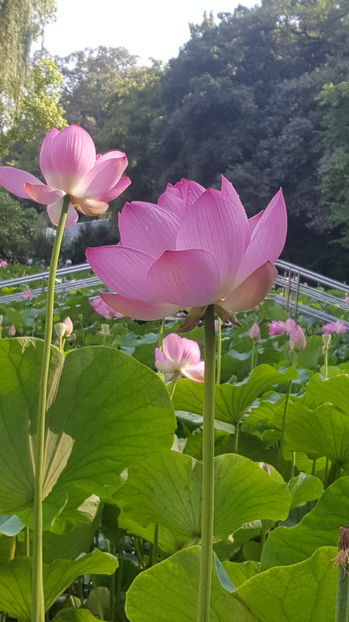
(69, 326)
(337, 327)
(3, 264)
(70, 166)
(30, 261)
(276, 327)
(27, 295)
(180, 355)
(103, 309)
(254, 332)
(290, 325)
(12, 330)
(297, 339)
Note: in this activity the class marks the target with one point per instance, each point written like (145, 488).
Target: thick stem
(208, 470)
(219, 351)
(38, 604)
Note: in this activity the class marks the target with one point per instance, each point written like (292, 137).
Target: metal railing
(289, 280)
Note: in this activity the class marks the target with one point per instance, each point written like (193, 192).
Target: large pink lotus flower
(194, 248)
(181, 356)
(103, 309)
(337, 327)
(70, 166)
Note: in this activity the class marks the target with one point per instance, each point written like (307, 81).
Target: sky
(146, 28)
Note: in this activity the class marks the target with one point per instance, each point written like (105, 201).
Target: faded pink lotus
(195, 247)
(180, 355)
(337, 327)
(70, 166)
(103, 309)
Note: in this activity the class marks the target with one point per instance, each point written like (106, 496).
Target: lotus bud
(69, 326)
(297, 339)
(60, 329)
(12, 330)
(254, 332)
(290, 325)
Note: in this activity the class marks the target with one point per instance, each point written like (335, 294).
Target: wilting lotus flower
(180, 355)
(254, 332)
(70, 166)
(337, 327)
(194, 248)
(297, 339)
(27, 295)
(276, 327)
(103, 309)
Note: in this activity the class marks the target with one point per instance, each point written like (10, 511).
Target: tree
(21, 23)
(20, 232)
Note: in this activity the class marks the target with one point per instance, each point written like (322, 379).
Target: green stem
(253, 355)
(219, 351)
(326, 363)
(208, 470)
(333, 474)
(38, 603)
(282, 438)
(27, 541)
(236, 439)
(172, 385)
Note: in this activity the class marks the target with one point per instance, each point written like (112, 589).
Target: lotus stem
(219, 351)
(282, 438)
(38, 601)
(208, 470)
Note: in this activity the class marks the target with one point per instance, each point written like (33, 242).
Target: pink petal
(43, 194)
(173, 349)
(191, 351)
(123, 269)
(14, 179)
(185, 278)
(101, 178)
(196, 373)
(217, 223)
(54, 213)
(45, 153)
(268, 238)
(115, 191)
(252, 222)
(102, 309)
(179, 198)
(68, 155)
(139, 310)
(163, 363)
(91, 207)
(148, 228)
(190, 191)
(251, 291)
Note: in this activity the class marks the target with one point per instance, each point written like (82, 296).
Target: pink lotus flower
(290, 325)
(337, 327)
(254, 332)
(194, 248)
(276, 327)
(12, 330)
(70, 166)
(180, 355)
(27, 295)
(3, 264)
(103, 309)
(297, 339)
